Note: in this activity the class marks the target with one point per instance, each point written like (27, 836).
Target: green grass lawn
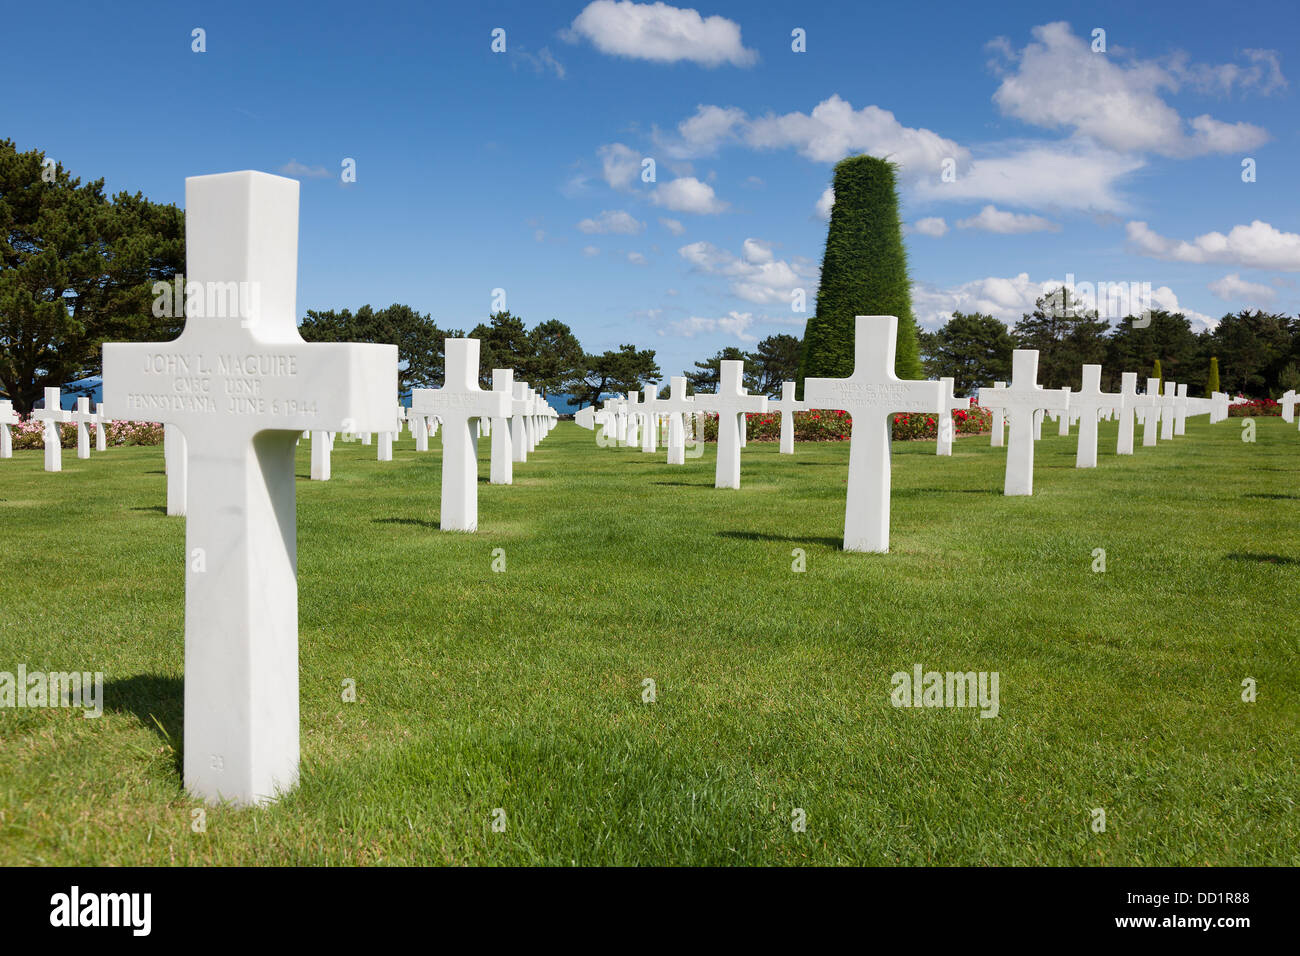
(523, 690)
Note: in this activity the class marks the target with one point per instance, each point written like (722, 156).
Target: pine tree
(864, 272)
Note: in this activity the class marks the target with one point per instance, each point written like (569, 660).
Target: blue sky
(521, 170)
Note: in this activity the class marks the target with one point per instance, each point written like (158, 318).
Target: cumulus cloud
(1009, 298)
(1257, 246)
(1057, 82)
(660, 33)
(295, 168)
(1233, 288)
(733, 323)
(687, 194)
(620, 165)
(756, 275)
(636, 258)
(824, 203)
(929, 226)
(993, 219)
(1069, 175)
(672, 225)
(590, 251)
(612, 222)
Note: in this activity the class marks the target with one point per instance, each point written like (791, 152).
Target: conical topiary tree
(864, 272)
(1212, 383)
(1158, 376)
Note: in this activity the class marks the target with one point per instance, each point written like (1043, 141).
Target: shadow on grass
(161, 509)
(685, 484)
(904, 492)
(1273, 497)
(158, 702)
(834, 543)
(1260, 558)
(418, 522)
(155, 472)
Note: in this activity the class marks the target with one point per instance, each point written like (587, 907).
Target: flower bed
(29, 434)
(1254, 408)
(829, 425)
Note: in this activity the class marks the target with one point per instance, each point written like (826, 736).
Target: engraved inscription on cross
(242, 387)
(871, 396)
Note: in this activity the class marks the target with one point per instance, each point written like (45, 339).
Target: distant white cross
(502, 468)
(459, 403)
(675, 406)
(1091, 402)
(649, 420)
(243, 386)
(52, 415)
(1288, 401)
(521, 408)
(84, 417)
(731, 402)
(944, 434)
(322, 447)
(1167, 411)
(998, 418)
(7, 417)
(871, 396)
(102, 422)
(1180, 409)
(787, 406)
(1021, 401)
(1130, 401)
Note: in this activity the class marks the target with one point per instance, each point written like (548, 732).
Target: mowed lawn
(522, 690)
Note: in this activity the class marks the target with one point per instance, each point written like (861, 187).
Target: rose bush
(1254, 408)
(832, 425)
(30, 434)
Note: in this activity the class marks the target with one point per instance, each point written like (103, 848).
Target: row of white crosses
(53, 414)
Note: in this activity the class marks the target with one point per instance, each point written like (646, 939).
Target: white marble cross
(787, 406)
(944, 434)
(1219, 407)
(1150, 406)
(649, 420)
(731, 402)
(503, 454)
(871, 396)
(1180, 409)
(419, 428)
(998, 419)
(1288, 401)
(243, 386)
(385, 449)
(52, 415)
(175, 464)
(83, 416)
(1129, 401)
(1021, 401)
(102, 422)
(675, 406)
(521, 408)
(633, 437)
(460, 403)
(322, 445)
(1091, 402)
(1167, 412)
(7, 417)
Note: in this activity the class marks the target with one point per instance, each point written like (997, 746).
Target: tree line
(1251, 352)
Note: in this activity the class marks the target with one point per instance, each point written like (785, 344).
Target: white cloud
(590, 251)
(756, 252)
(930, 226)
(1233, 288)
(539, 235)
(1008, 299)
(993, 219)
(661, 33)
(733, 323)
(619, 164)
(824, 203)
(612, 221)
(541, 61)
(1257, 246)
(636, 258)
(1057, 82)
(672, 225)
(1264, 75)
(756, 276)
(687, 194)
(295, 168)
(1069, 175)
